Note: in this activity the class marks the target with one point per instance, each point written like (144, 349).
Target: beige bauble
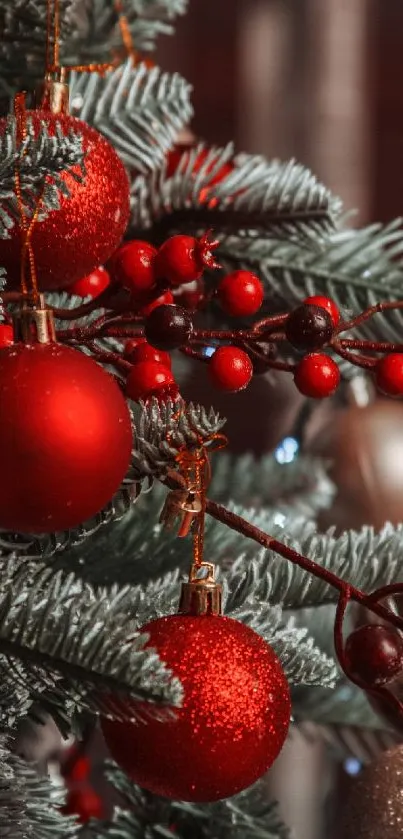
(374, 809)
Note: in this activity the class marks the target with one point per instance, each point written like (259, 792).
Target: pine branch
(364, 558)
(40, 160)
(254, 198)
(356, 268)
(60, 628)
(302, 485)
(140, 110)
(97, 34)
(30, 805)
(247, 816)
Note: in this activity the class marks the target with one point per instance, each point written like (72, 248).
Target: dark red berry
(168, 327)
(230, 369)
(85, 804)
(182, 259)
(6, 335)
(92, 285)
(136, 351)
(389, 374)
(325, 303)
(240, 293)
(374, 654)
(149, 378)
(317, 375)
(308, 327)
(164, 299)
(132, 266)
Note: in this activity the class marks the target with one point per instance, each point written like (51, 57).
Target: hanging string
(125, 31)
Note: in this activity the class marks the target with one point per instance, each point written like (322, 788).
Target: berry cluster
(82, 801)
(161, 289)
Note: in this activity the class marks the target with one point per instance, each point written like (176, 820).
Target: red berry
(182, 259)
(77, 770)
(240, 293)
(85, 804)
(163, 300)
(230, 369)
(92, 285)
(389, 374)
(132, 266)
(325, 303)
(317, 375)
(136, 351)
(374, 654)
(6, 335)
(149, 378)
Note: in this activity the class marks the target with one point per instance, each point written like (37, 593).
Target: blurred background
(316, 79)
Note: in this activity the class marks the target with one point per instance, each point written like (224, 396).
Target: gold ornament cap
(201, 595)
(53, 95)
(33, 322)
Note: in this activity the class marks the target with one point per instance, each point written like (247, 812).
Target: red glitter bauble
(233, 720)
(65, 438)
(70, 242)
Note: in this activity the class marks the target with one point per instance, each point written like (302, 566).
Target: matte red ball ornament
(132, 266)
(182, 259)
(317, 375)
(136, 351)
(240, 293)
(65, 438)
(324, 303)
(374, 654)
(6, 335)
(230, 369)
(92, 285)
(72, 241)
(233, 720)
(150, 378)
(389, 374)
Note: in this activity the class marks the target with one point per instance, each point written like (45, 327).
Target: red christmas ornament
(165, 299)
(182, 259)
(71, 242)
(132, 266)
(233, 721)
(374, 654)
(92, 285)
(6, 335)
(85, 804)
(149, 378)
(317, 375)
(240, 293)
(76, 768)
(389, 374)
(230, 369)
(136, 351)
(65, 416)
(325, 303)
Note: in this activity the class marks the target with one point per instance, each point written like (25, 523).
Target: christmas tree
(183, 599)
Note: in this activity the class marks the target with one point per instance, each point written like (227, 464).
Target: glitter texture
(375, 808)
(233, 721)
(65, 438)
(70, 242)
